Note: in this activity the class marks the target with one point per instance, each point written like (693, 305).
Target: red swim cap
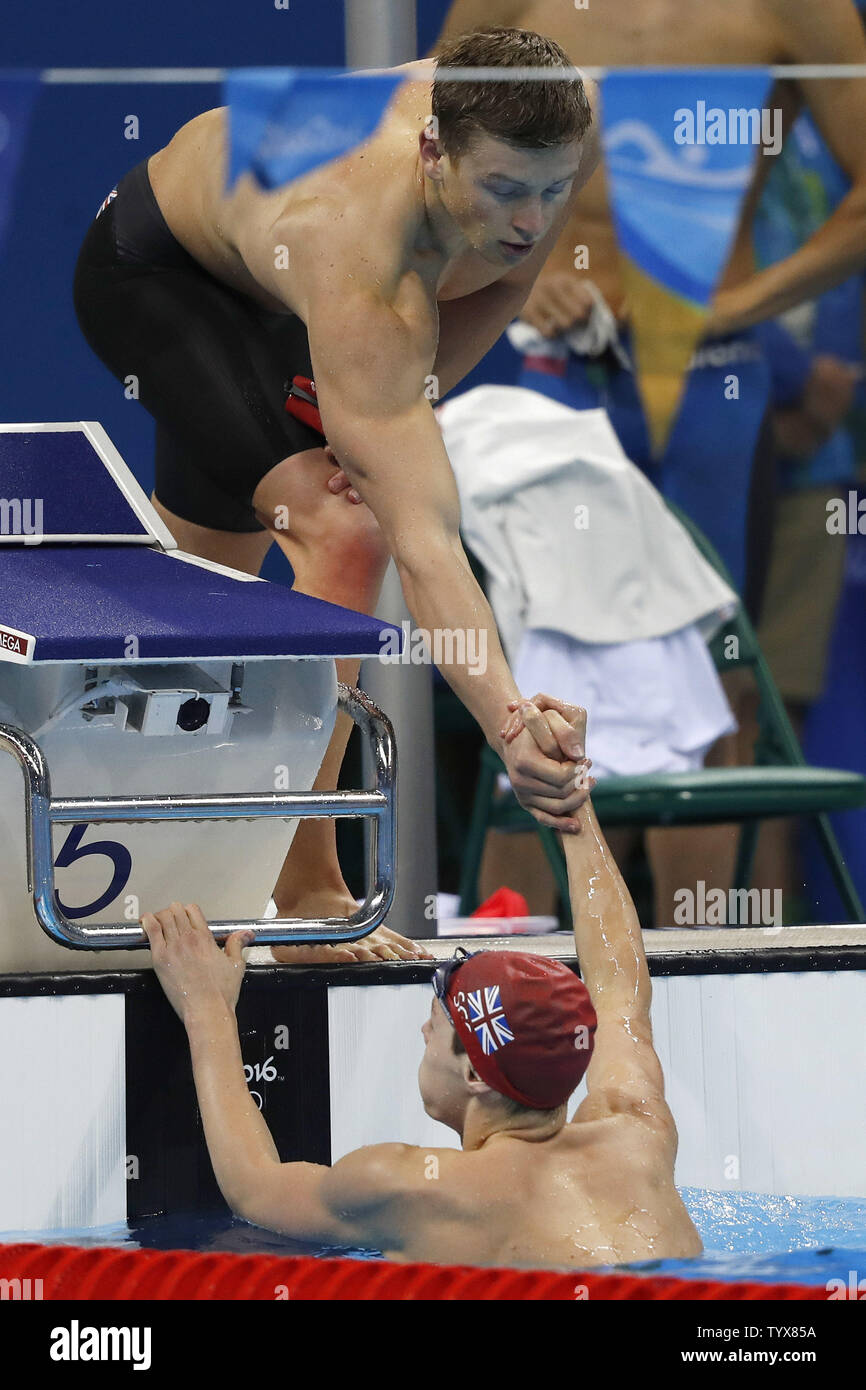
(527, 1024)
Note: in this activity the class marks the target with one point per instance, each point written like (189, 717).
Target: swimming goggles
(442, 977)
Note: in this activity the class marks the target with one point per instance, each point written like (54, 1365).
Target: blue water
(772, 1239)
(747, 1235)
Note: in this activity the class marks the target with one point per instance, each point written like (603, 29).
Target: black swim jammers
(212, 366)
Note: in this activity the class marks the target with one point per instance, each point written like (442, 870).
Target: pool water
(771, 1239)
(747, 1235)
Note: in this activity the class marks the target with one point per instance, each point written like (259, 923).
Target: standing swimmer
(376, 275)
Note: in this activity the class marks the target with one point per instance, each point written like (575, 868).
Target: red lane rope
(68, 1272)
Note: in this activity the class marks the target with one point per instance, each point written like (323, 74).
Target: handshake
(544, 751)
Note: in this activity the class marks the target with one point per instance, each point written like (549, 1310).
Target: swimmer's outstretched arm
(354, 1203)
(370, 364)
(625, 1075)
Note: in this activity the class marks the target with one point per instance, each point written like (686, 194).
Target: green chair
(780, 784)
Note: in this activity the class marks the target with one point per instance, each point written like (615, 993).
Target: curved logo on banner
(679, 149)
(285, 122)
(637, 149)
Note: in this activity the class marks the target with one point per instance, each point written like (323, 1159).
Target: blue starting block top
(83, 602)
(67, 482)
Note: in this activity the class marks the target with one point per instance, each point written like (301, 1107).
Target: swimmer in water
(385, 275)
(509, 1037)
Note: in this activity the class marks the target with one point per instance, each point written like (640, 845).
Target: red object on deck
(503, 903)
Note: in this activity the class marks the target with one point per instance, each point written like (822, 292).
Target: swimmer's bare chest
(620, 33)
(188, 180)
(597, 1193)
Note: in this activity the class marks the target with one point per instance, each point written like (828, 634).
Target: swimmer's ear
(473, 1080)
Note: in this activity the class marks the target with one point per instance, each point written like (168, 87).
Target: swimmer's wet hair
(512, 1107)
(532, 115)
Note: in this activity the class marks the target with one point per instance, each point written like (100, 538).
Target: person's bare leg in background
(679, 856)
(516, 859)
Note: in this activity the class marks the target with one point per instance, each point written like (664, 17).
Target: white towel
(573, 536)
(600, 595)
(653, 706)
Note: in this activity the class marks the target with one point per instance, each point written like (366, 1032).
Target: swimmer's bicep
(291, 1198)
(373, 379)
(625, 1075)
(368, 1192)
(349, 1203)
(370, 357)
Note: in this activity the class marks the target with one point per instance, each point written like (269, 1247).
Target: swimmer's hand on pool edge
(192, 969)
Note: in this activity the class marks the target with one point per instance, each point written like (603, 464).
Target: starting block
(139, 688)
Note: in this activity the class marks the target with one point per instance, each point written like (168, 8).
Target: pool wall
(762, 1050)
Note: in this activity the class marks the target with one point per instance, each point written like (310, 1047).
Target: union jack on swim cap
(527, 1023)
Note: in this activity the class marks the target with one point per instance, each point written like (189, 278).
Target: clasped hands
(545, 757)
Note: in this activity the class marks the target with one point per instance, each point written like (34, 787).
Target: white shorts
(653, 706)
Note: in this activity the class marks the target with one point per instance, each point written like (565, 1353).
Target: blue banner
(679, 150)
(18, 92)
(286, 121)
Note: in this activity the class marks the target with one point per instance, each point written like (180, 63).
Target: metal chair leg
(746, 847)
(838, 868)
(475, 839)
(556, 859)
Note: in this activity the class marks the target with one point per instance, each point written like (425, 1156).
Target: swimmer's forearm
(445, 599)
(835, 253)
(400, 467)
(238, 1140)
(607, 934)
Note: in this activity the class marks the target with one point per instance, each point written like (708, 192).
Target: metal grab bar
(379, 806)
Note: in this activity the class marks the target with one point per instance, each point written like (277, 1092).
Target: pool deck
(722, 948)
